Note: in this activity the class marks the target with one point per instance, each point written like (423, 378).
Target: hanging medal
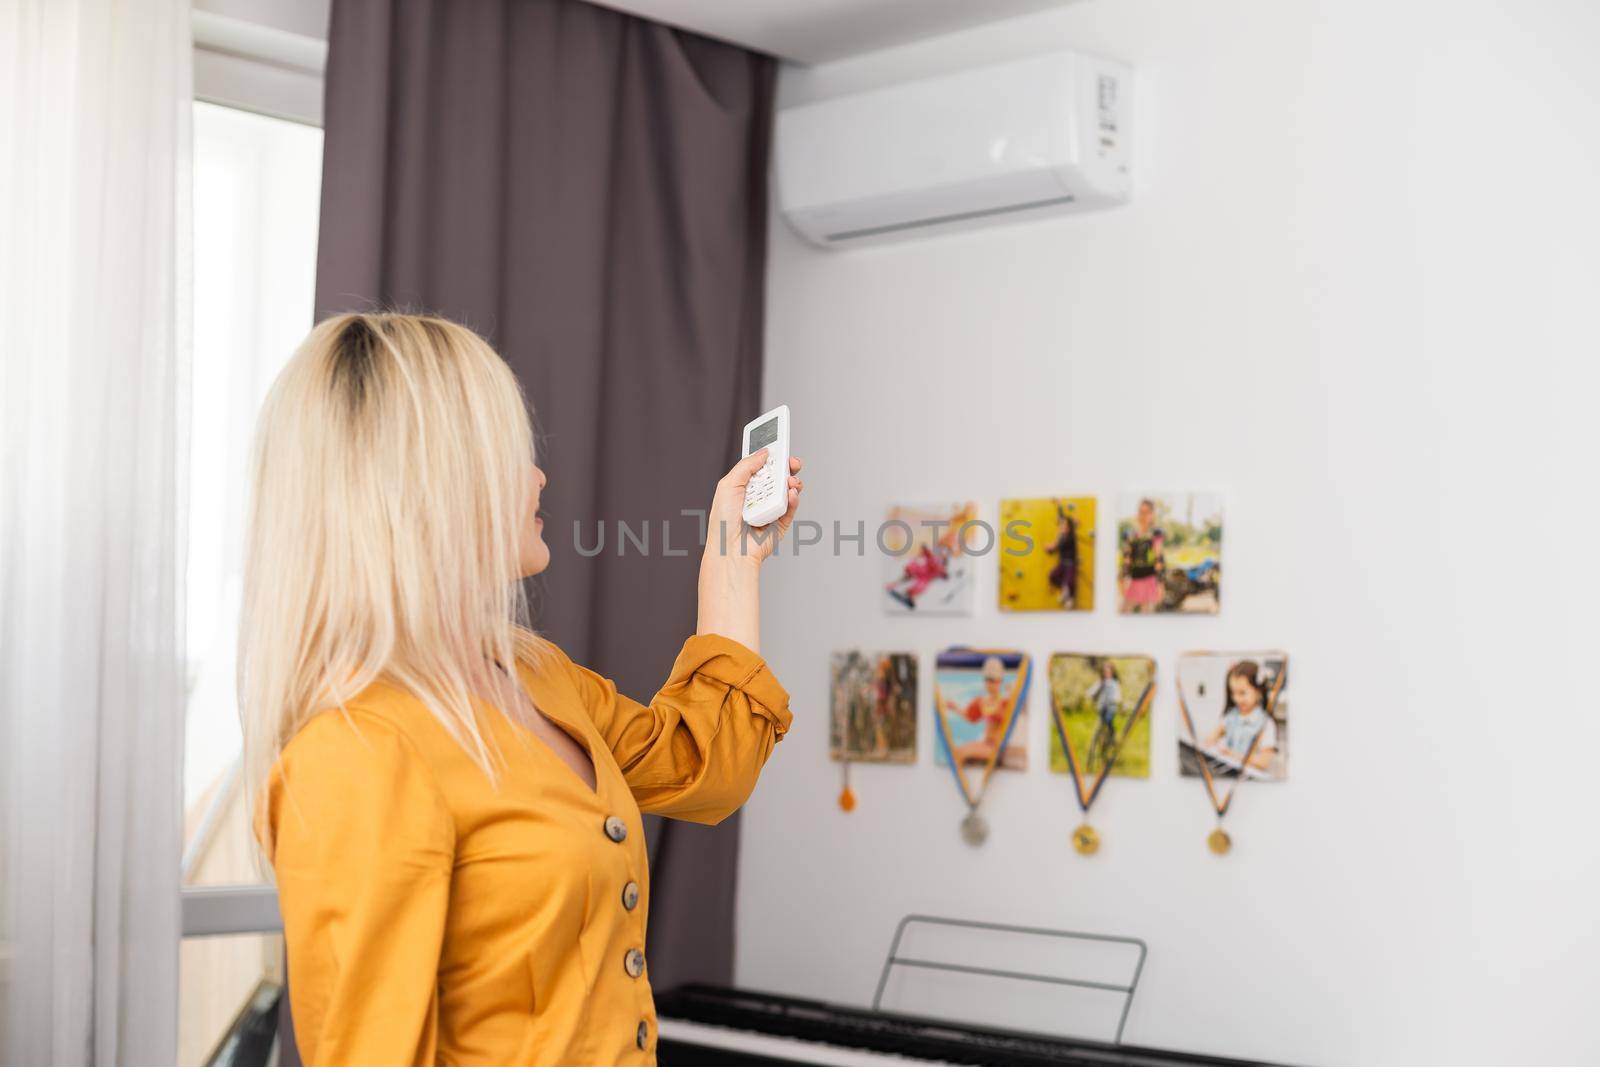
(1248, 689)
(987, 720)
(1102, 699)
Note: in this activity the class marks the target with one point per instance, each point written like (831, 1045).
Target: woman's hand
(726, 532)
(730, 592)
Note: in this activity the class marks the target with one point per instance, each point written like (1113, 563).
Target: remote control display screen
(763, 435)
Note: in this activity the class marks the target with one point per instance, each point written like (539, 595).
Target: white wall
(1357, 292)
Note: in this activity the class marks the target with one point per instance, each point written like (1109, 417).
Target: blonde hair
(393, 472)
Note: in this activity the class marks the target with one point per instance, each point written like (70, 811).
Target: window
(256, 187)
(257, 183)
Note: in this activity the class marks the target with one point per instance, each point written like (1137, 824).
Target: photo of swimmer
(980, 697)
(1169, 554)
(874, 707)
(926, 570)
(1234, 714)
(1047, 554)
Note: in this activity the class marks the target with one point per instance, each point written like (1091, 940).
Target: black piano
(708, 1026)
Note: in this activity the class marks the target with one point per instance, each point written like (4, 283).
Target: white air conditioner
(1031, 136)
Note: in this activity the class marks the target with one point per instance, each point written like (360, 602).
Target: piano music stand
(894, 959)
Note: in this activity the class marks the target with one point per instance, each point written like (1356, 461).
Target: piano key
(790, 1050)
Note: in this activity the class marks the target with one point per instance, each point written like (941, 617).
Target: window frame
(259, 68)
(268, 71)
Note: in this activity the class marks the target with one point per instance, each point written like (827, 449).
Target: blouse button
(642, 1038)
(633, 963)
(630, 896)
(616, 829)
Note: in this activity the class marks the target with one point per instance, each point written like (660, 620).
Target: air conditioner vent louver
(961, 216)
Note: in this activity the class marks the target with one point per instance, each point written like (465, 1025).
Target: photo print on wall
(1234, 708)
(1100, 718)
(1047, 554)
(1101, 705)
(926, 568)
(980, 698)
(874, 707)
(1169, 549)
(874, 712)
(980, 705)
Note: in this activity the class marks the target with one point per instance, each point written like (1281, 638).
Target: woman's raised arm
(730, 592)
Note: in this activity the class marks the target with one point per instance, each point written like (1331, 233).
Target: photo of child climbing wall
(1169, 554)
(1047, 554)
(874, 707)
(927, 570)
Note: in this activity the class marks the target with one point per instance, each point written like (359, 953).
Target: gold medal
(1086, 839)
(1218, 841)
(974, 829)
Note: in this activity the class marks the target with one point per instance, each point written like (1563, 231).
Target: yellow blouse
(431, 917)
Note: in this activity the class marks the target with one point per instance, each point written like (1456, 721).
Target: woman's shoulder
(381, 722)
(337, 765)
(379, 711)
(543, 661)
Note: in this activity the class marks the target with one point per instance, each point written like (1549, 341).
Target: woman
(451, 805)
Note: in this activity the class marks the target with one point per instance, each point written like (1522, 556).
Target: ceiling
(802, 31)
(815, 31)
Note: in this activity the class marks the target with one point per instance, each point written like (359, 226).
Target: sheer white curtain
(94, 158)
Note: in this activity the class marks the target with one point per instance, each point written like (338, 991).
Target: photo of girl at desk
(1237, 714)
(980, 697)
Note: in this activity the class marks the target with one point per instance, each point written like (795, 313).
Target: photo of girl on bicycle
(1095, 697)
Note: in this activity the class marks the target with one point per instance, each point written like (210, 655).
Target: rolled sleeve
(725, 660)
(695, 751)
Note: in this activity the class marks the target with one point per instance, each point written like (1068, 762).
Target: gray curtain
(588, 190)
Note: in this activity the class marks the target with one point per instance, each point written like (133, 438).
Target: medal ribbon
(1085, 800)
(1244, 764)
(1019, 693)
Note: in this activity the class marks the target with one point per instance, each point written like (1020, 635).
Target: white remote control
(766, 497)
